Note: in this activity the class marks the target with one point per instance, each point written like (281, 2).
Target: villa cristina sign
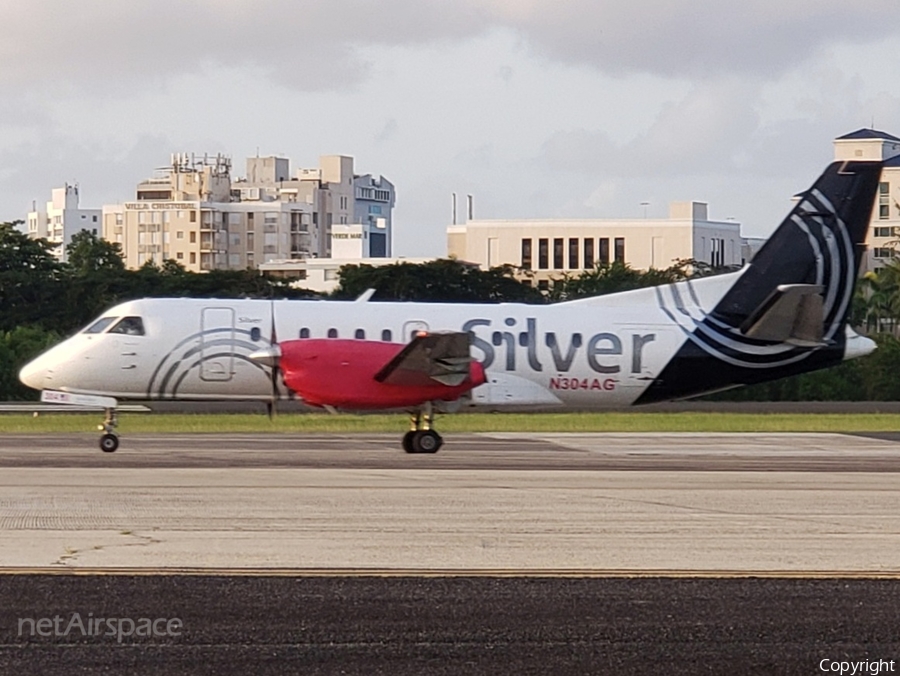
(160, 206)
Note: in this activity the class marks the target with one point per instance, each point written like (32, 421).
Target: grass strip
(47, 423)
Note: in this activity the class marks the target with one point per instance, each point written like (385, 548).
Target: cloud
(693, 38)
(700, 134)
(304, 44)
(310, 45)
(107, 174)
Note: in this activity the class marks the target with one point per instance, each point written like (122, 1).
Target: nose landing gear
(109, 440)
(422, 438)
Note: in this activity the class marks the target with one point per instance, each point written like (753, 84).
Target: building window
(304, 333)
(543, 285)
(603, 251)
(193, 257)
(620, 249)
(883, 201)
(884, 232)
(883, 252)
(573, 253)
(386, 336)
(193, 217)
(558, 253)
(179, 256)
(193, 237)
(543, 254)
(526, 254)
(332, 333)
(588, 253)
(716, 252)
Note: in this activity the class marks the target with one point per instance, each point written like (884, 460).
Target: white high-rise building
(61, 219)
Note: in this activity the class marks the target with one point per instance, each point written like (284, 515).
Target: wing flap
(429, 358)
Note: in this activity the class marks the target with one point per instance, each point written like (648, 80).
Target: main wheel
(426, 441)
(109, 443)
(408, 443)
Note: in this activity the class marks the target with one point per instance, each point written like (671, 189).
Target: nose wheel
(421, 438)
(109, 440)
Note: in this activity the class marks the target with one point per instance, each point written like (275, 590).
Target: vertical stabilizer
(747, 337)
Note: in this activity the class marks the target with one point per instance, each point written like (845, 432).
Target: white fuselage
(595, 353)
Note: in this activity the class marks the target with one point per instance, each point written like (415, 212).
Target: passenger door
(216, 344)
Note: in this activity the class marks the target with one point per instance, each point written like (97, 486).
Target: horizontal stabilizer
(440, 357)
(793, 313)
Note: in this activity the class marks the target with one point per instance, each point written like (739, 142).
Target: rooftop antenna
(645, 205)
(454, 207)
(470, 207)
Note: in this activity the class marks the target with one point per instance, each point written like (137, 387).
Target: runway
(503, 553)
(597, 504)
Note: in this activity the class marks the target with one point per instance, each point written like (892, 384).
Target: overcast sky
(539, 108)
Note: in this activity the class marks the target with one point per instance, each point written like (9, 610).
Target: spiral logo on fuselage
(831, 248)
(201, 348)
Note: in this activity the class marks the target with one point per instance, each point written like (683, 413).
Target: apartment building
(883, 240)
(195, 212)
(61, 218)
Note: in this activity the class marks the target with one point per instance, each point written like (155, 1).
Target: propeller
(270, 356)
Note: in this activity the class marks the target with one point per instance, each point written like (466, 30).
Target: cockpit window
(100, 325)
(130, 326)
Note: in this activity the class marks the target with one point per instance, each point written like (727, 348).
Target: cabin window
(386, 335)
(304, 333)
(100, 325)
(332, 333)
(255, 334)
(360, 334)
(129, 326)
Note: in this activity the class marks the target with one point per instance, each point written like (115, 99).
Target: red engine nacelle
(341, 373)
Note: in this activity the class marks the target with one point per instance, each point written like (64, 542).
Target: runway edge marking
(460, 572)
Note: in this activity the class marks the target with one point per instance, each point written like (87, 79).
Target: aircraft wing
(430, 357)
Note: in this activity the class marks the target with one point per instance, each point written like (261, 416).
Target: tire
(408, 443)
(427, 441)
(109, 443)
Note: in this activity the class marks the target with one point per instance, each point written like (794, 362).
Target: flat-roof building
(194, 212)
(548, 248)
(883, 240)
(61, 218)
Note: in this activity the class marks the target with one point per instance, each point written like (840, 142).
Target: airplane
(782, 314)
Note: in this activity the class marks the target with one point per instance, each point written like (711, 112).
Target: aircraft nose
(34, 373)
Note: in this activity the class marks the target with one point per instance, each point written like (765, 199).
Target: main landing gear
(421, 438)
(109, 440)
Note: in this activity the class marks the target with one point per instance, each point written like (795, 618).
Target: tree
(31, 280)
(17, 347)
(89, 254)
(443, 281)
